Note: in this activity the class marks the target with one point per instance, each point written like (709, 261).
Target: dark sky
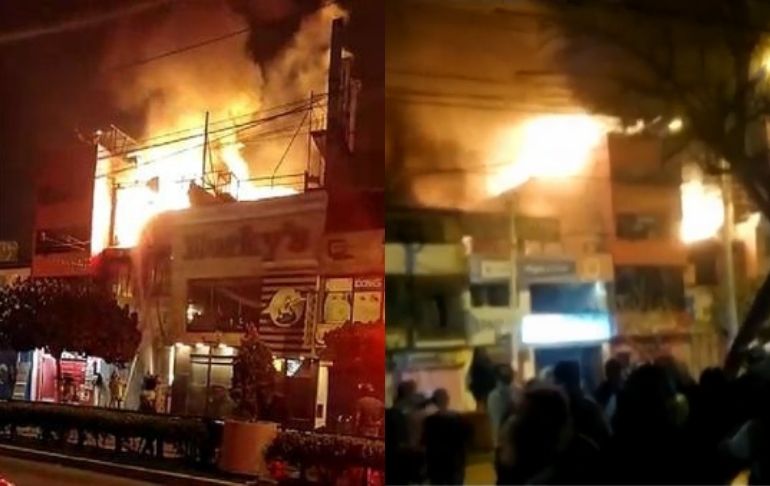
(52, 84)
(49, 87)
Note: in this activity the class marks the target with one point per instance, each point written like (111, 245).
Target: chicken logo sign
(286, 308)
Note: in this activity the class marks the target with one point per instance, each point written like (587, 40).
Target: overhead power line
(227, 130)
(195, 131)
(223, 133)
(173, 52)
(182, 49)
(75, 24)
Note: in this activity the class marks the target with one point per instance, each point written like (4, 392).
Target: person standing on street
(502, 400)
(446, 436)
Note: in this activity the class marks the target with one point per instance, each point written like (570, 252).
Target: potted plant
(246, 436)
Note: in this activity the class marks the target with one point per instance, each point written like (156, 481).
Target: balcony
(649, 252)
(433, 259)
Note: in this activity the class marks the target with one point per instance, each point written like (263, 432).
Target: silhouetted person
(397, 467)
(481, 377)
(405, 395)
(607, 392)
(446, 436)
(750, 445)
(404, 419)
(542, 446)
(710, 421)
(502, 400)
(587, 415)
(649, 445)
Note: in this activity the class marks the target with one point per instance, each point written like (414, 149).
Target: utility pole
(513, 297)
(205, 150)
(731, 307)
(112, 239)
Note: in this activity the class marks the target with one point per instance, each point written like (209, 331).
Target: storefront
(352, 275)
(566, 314)
(84, 380)
(352, 294)
(209, 274)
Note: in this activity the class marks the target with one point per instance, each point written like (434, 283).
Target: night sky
(48, 88)
(54, 84)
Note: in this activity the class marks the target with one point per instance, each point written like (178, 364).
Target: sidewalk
(138, 470)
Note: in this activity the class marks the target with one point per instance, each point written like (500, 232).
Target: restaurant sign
(360, 251)
(251, 240)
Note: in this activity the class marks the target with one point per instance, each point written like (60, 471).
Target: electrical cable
(200, 145)
(316, 99)
(173, 52)
(234, 128)
(8, 37)
(286, 152)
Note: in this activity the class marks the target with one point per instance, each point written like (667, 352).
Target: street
(31, 473)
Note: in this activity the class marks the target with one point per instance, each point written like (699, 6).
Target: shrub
(311, 449)
(198, 437)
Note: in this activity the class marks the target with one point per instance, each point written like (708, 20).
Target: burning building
(247, 199)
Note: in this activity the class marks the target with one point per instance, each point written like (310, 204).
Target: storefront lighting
(278, 364)
(199, 345)
(292, 366)
(178, 345)
(192, 311)
(565, 328)
(599, 289)
(171, 361)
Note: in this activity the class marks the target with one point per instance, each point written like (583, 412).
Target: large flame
(548, 146)
(175, 94)
(702, 209)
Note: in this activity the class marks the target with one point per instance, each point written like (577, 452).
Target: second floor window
(490, 294)
(645, 288)
(631, 226)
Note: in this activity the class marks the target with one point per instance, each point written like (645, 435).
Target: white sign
(565, 328)
(286, 307)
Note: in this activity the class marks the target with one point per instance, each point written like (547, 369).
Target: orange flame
(178, 92)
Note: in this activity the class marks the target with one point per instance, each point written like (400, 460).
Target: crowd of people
(651, 423)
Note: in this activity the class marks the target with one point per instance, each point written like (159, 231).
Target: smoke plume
(282, 59)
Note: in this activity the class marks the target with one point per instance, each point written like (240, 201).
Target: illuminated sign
(286, 307)
(246, 241)
(544, 270)
(565, 328)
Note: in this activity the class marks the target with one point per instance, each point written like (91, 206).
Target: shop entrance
(589, 358)
(211, 377)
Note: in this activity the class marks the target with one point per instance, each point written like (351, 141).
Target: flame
(702, 210)
(548, 146)
(175, 94)
(100, 218)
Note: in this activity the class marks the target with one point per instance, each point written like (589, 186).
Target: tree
(704, 62)
(358, 354)
(254, 377)
(57, 314)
